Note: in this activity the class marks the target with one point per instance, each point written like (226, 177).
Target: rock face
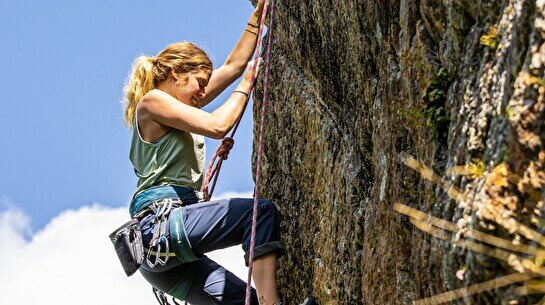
(357, 85)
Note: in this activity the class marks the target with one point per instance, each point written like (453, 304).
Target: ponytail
(140, 82)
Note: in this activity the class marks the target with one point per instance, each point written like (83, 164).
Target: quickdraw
(159, 237)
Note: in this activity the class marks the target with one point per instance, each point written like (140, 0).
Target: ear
(179, 77)
(175, 75)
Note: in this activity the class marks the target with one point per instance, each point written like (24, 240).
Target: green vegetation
(509, 112)
(435, 96)
(413, 115)
(504, 153)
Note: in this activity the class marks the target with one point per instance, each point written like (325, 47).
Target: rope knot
(225, 147)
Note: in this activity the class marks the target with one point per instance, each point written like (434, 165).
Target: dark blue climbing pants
(210, 226)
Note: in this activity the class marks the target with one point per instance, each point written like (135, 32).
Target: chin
(189, 102)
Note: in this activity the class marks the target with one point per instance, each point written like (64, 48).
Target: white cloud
(234, 195)
(72, 261)
(13, 226)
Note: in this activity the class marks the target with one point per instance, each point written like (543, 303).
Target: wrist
(244, 86)
(247, 94)
(252, 30)
(255, 18)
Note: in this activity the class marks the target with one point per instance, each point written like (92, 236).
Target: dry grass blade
(449, 226)
(477, 288)
(497, 253)
(530, 234)
(503, 243)
(435, 232)
(416, 214)
(426, 173)
(537, 286)
(473, 170)
(502, 249)
(456, 194)
(525, 290)
(475, 247)
(474, 289)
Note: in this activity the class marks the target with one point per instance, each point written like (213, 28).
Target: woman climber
(164, 96)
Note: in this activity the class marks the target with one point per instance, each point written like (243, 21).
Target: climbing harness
(159, 240)
(127, 239)
(159, 237)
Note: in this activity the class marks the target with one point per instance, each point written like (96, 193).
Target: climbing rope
(222, 152)
(260, 143)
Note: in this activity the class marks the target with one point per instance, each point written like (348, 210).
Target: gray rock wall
(357, 84)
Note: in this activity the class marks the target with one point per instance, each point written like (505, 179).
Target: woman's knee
(270, 217)
(267, 206)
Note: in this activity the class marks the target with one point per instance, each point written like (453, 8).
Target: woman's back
(175, 159)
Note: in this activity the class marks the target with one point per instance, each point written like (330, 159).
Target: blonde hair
(148, 72)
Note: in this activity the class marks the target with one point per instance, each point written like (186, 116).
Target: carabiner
(157, 256)
(163, 240)
(164, 208)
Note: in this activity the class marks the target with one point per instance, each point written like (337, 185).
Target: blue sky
(64, 144)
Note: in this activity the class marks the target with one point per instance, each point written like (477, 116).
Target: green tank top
(176, 159)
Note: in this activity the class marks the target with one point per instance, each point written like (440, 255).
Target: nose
(201, 93)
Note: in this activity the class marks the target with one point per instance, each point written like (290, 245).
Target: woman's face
(190, 90)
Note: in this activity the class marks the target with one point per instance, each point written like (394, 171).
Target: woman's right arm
(238, 58)
(166, 110)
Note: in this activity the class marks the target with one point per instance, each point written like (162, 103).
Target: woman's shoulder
(151, 97)
(152, 100)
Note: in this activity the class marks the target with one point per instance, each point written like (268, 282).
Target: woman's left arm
(237, 60)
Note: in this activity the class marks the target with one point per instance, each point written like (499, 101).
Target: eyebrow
(204, 81)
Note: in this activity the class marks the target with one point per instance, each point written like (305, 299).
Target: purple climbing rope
(222, 152)
(260, 143)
